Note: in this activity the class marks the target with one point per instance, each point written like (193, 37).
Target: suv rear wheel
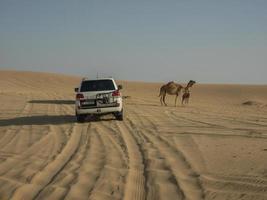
(119, 115)
(80, 118)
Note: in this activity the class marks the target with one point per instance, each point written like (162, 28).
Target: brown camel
(172, 88)
(186, 95)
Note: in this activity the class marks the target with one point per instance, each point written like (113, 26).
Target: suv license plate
(88, 103)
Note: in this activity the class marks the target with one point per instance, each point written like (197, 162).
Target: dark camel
(186, 95)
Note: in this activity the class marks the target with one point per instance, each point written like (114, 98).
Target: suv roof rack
(86, 78)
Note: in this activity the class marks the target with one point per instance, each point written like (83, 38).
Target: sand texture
(213, 148)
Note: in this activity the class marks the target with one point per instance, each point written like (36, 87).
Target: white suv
(98, 97)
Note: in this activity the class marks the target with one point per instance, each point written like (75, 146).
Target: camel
(186, 95)
(172, 88)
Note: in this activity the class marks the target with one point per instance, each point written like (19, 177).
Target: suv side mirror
(119, 87)
(76, 89)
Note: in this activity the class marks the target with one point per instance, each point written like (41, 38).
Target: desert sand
(213, 148)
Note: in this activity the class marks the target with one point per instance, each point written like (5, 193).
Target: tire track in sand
(185, 176)
(33, 152)
(13, 135)
(44, 177)
(135, 182)
(234, 184)
(90, 169)
(160, 183)
(111, 182)
(22, 167)
(28, 150)
(44, 149)
(60, 183)
(97, 170)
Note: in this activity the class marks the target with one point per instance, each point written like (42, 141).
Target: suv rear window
(97, 85)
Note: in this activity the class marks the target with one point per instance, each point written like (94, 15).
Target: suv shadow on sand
(47, 120)
(53, 101)
(38, 120)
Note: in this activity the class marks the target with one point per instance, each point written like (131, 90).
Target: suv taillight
(116, 93)
(79, 96)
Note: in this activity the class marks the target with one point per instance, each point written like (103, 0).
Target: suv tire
(119, 115)
(80, 118)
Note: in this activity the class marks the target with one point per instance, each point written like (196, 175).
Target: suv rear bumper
(100, 110)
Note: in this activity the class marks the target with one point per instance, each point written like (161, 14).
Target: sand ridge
(213, 148)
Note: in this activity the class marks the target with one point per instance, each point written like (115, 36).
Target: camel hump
(169, 83)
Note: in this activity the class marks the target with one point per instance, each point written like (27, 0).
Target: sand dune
(213, 148)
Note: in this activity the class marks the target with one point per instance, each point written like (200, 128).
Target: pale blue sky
(215, 41)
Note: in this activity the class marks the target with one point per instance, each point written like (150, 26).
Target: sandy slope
(213, 148)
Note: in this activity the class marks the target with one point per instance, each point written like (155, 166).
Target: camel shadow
(38, 120)
(143, 104)
(156, 105)
(52, 101)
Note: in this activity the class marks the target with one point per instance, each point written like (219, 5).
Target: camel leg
(164, 95)
(161, 100)
(160, 95)
(176, 100)
(185, 101)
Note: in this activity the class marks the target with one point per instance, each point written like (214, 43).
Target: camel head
(191, 83)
